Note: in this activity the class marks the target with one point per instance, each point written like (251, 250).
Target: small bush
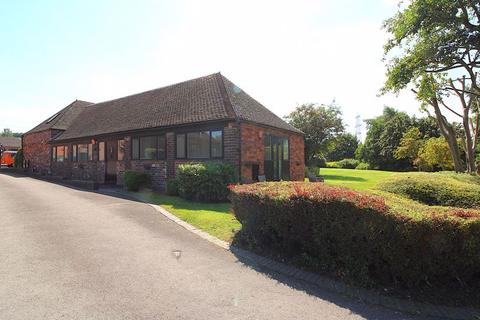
(134, 180)
(314, 171)
(205, 181)
(332, 165)
(318, 162)
(172, 187)
(363, 166)
(442, 189)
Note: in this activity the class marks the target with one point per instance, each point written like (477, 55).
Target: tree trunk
(448, 132)
(469, 147)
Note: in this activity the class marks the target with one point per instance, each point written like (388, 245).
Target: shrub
(205, 181)
(18, 160)
(365, 238)
(459, 190)
(348, 163)
(314, 171)
(172, 187)
(318, 162)
(134, 180)
(363, 166)
(332, 164)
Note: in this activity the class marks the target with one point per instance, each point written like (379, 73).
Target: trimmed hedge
(344, 164)
(363, 238)
(134, 180)
(206, 181)
(363, 166)
(443, 189)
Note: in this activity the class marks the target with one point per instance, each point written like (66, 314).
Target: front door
(111, 159)
(277, 166)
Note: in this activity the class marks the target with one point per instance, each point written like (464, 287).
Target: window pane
(101, 151)
(181, 145)
(267, 147)
(82, 152)
(148, 148)
(198, 145)
(60, 153)
(285, 149)
(74, 152)
(161, 147)
(121, 150)
(90, 152)
(66, 152)
(217, 144)
(54, 153)
(135, 148)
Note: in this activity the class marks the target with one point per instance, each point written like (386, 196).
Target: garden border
(323, 282)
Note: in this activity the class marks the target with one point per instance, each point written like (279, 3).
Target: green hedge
(206, 181)
(363, 166)
(343, 164)
(134, 180)
(360, 237)
(444, 189)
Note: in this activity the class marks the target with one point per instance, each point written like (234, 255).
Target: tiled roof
(11, 142)
(63, 119)
(209, 98)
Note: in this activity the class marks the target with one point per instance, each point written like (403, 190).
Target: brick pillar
(171, 154)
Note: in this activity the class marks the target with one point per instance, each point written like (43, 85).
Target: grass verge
(354, 179)
(214, 218)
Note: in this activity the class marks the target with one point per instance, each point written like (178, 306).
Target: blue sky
(283, 53)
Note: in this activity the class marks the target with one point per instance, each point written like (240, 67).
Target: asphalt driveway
(70, 254)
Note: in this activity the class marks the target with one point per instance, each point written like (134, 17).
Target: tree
(434, 155)
(320, 123)
(8, 133)
(438, 46)
(410, 145)
(342, 147)
(383, 138)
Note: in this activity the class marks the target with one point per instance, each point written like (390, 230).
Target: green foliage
(366, 239)
(135, 180)
(434, 154)
(458, 190)
(410, 145)
(319, 123)
(384, 134)
(9, 133)
(342, 147)
(18, 160)
(343, 164)
(172, 187)
(363, 166)
(207, 181)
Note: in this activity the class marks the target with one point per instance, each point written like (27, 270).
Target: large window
(148, 148)
(276, 157)
(200, 145)
(59, 153)
(83, 152)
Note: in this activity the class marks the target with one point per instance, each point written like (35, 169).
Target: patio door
(276, 158)
(111, 161)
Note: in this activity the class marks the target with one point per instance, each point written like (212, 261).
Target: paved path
(70, 254)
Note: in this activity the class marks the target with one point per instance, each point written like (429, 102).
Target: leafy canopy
(320, 123)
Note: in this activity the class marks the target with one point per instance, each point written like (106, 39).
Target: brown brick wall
(252, 151)
(37, 151)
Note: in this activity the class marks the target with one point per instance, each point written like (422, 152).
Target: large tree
(320, 123)
(342, 147)
(435, 46)
(384, 134)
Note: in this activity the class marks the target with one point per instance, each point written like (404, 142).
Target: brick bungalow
(204, 119)
(10, 143)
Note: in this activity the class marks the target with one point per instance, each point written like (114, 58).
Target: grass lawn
(355, 179)
(214, 218)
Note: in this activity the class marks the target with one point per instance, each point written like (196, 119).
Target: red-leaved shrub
(357, 236)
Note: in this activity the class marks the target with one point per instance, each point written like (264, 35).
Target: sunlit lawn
(355, 179)
(214, 218)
